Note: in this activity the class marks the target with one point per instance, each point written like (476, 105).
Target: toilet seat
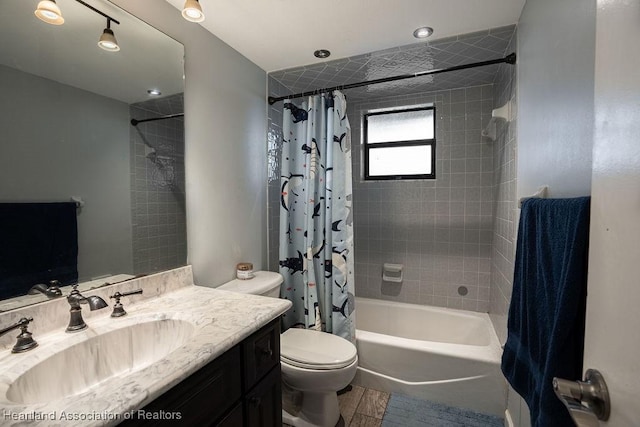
(309, 349)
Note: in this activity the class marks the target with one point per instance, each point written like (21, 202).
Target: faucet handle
(127, 293)
(118, 309)
(24, 340)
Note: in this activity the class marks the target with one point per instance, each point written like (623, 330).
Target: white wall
(225, 153)
(556, 57)
(59, 141)
(556, 54)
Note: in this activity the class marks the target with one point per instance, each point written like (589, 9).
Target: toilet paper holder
(392, 272)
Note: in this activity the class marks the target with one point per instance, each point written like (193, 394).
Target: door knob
(587, 401)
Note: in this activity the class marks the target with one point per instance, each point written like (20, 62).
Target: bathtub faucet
(75, 298)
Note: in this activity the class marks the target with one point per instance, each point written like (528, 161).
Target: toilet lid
(306, 348)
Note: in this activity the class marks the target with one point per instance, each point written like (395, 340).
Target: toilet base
(318, 410)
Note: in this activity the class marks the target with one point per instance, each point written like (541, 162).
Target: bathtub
(439, 354)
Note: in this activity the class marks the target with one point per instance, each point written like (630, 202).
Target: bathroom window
(400, 144)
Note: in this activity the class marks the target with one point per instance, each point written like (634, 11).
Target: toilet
(317, 364)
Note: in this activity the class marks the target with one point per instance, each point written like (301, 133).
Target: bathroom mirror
(65, 132)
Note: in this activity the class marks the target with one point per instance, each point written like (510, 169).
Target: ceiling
(69, 53)
(446, 52)
(282, 34)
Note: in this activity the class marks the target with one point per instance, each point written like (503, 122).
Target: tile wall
(158, 187)
(408, 59)
(506, 210)
(440, 230)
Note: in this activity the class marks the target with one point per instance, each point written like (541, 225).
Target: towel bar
(541, 193)
(78, 200)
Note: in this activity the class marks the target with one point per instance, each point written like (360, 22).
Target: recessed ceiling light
(422, 32)
(321, 53)
(154, 92)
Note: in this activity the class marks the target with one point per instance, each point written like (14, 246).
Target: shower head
(150, 153)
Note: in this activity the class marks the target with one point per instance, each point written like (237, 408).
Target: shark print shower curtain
(316, 222)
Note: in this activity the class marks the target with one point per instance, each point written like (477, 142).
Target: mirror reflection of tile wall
(158, 186)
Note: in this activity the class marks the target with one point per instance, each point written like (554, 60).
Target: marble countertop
(222, 319)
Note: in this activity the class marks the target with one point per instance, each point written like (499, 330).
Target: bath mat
(403, 411)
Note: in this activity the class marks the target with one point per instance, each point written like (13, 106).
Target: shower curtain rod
(135, 122)
(509, 59)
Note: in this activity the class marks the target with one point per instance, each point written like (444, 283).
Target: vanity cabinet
(242, 387)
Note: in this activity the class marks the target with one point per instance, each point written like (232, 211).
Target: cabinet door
(263, 405)
(200, 399)
(261, 353)
(233, 419)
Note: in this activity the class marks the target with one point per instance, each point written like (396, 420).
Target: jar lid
(244, 266)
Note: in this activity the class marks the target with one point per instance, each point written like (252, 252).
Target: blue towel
(38, 243)
(546, 315)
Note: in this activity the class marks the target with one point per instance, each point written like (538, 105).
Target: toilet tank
(266, 283)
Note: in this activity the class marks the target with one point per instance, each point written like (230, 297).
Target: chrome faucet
(51, 291)
(25, 341)
(75, 298)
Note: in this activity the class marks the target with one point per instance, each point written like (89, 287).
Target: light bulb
(192, 11)
(108, 41)
(49, 12)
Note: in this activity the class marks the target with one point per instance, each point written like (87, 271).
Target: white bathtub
(439, 354)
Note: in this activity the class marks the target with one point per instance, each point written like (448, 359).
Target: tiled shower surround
(443, 231)
(440, 230)
(158, 187)
(506, 210)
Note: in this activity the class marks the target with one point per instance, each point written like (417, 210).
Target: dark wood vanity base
(240, 388)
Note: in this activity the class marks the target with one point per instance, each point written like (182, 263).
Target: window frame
(412, 143)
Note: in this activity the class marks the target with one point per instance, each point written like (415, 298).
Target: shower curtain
(316, 222)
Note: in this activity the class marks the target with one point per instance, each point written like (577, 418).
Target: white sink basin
(81, 366)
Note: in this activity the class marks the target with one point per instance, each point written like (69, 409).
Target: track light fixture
(192, 11)
(49, 12)
(108, 40)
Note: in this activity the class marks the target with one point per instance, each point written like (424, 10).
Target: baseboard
(508, 421)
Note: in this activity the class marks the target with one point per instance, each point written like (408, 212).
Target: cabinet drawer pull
(267, 351)
(255, 401)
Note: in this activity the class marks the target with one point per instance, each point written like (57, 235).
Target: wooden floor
(359, 407)
(363, 407)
